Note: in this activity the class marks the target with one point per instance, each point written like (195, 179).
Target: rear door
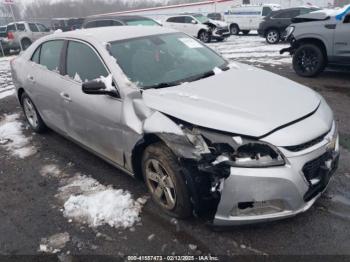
(284, 18)
(176, 22)
(92, 120)
(43, 30)
(191, 26)
(46, 83)
(35, 34)
(342, 40)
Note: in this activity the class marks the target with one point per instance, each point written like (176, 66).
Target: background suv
(22, 34)
(199, 26)
(273, 25)
(319, 39)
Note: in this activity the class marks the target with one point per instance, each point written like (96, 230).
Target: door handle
(66, 97)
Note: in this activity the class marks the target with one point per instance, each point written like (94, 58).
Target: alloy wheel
(30, 113)
(308, 60)
(160, 184)
(272, 37)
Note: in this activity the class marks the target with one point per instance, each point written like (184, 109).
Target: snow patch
(7, 93)
(13, 139)
(52, 171)
(87, 201)
(54, 244)
(108, 81)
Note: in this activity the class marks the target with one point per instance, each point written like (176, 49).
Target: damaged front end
(208, 157)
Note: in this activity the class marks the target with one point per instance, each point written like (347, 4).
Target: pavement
(32, 221)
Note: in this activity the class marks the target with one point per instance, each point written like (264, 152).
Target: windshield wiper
(162, 85)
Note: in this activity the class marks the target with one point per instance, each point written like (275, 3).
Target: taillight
(10, 36)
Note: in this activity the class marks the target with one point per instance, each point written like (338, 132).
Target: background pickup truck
(21, 35)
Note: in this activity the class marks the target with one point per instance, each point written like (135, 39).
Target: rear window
(50, 54)
(177, 19)
(12, 27)
(33, 27)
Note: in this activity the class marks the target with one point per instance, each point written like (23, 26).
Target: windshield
(165, 60)
(142, 22)
(201, 18)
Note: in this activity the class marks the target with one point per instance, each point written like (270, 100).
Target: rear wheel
(245, 32)
(309, 60)
(273, 36)
(164, 180)
(25, 44)
(32, 115)
(204, 36)
(234, 29)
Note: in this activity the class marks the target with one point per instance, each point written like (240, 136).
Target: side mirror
(96, 87)
(194, 22)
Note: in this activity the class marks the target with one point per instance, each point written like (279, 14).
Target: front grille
(307, 144)
(316, 169)
(222, 31)
(311, 169)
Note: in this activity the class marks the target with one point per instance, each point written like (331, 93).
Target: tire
(234, 29)
(25, 44)
(204, 36)
(32, 115)
(309, 60)
(164, 180)
(245, 32)
(273, 36)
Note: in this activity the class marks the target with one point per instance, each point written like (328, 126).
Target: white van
(245, 18)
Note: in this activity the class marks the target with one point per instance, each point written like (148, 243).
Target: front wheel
(234, 29)
(204, 36)
(309, 60)
(273, 36)
(32, 115)
(165, 182)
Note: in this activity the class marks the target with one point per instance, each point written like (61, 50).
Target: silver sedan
(228, 141)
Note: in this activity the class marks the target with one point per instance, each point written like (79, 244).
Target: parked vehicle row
(246, 18)
(160, 105)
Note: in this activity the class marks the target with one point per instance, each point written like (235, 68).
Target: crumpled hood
(219, 23)
(243, 100)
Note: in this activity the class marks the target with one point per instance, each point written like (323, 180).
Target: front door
(92, 120)
(342, 40)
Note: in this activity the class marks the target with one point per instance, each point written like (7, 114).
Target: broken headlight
(257, 154)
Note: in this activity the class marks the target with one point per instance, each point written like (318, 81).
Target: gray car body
(327, 30)
(241, 103)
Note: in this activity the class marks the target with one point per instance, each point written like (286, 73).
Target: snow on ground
(252, 49)
(54, 243)
(6, 84)
(13, 139)
(87, 201)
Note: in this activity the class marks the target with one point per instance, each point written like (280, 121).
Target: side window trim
(65, 54)
(37, 49)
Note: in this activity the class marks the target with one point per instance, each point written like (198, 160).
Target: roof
(114, 33)
(121, 18)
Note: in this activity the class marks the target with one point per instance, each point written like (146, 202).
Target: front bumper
(221, 33)
(252, 195)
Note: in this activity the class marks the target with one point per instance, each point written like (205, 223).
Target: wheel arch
(20, 92)
(139, 149)
(200, 31)
(314, 41)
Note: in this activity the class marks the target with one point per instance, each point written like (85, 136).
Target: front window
(165, 60)
(201, 18)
